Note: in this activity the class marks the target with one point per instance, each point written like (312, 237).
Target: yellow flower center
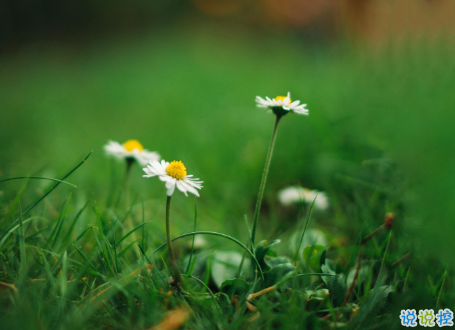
(130, 145)
(176, 169)
(281, 98)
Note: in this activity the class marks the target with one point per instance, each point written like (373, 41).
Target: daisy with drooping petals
(281, 105)
(131, 149)
(174, 175)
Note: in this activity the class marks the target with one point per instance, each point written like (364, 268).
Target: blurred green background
(181, 77)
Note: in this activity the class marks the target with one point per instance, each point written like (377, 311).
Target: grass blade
(39, 178)
(22, 247)
(67, 237)
(58, 183)
(192, 244)
(132, 231)
(304, 229)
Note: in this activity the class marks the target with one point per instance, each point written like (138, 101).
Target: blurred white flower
(174, 175)
(281, 103)
(131, 149)
(292, 195)
(199, 242)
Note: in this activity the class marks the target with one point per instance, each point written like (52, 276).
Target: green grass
(378, 139)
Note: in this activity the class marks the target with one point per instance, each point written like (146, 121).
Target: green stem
(264, 179)
(178, 278)
(129, 224)
(129, 164)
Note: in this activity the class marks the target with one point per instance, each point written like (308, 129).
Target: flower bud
(388, 221)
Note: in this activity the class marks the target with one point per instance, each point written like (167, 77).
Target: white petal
(115, 149)
(154, 168)
(170, 186)
(141, 160)
(150, 155)
(158, 167)
(181, 187)
(192, 185)
(301, 112)
(190, 188)
(260, 99)
(294, 104)
(148, 173)
(165, 178)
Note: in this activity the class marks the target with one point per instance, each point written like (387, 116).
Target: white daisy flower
(282, 105)
(174, 175)
(131, 149)
(293, 195)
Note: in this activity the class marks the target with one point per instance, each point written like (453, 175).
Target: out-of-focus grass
(190, 96)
